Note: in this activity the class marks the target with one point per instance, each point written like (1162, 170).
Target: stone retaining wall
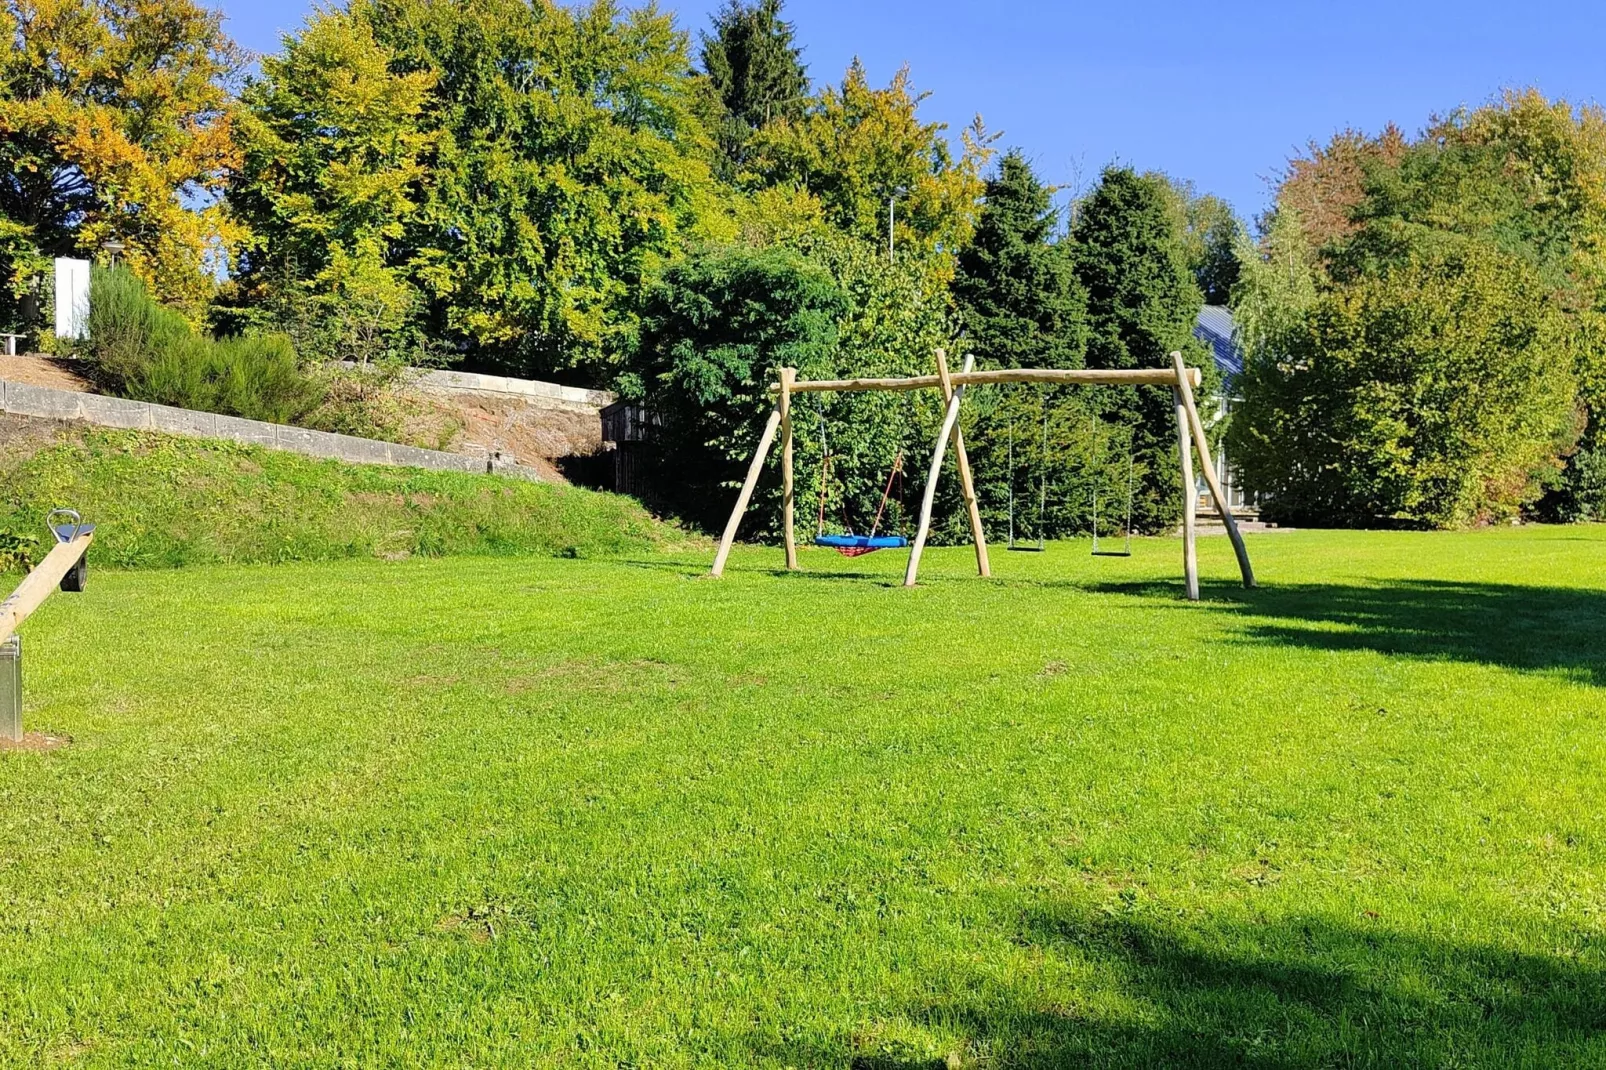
(46, 403)
(472, 382)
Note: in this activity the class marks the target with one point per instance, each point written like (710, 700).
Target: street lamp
(112, 248)
(892, 210)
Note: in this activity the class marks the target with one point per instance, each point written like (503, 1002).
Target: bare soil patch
(534, 435)
(21, 436)
(35, 743)
(37, 370)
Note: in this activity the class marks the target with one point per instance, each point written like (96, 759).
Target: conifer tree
(1017, 292)
(755, 68)
(1142, 304)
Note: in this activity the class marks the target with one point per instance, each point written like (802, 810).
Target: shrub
(1437, 393)
(719, 327)
(143, 350)
(714, 334)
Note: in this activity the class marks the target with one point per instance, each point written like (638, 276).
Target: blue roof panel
(1215, 329)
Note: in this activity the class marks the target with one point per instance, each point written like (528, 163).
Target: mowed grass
(539, 812)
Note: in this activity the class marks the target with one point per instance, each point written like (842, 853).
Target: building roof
(1215, 329)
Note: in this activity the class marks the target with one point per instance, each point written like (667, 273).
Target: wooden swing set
(1190, 435)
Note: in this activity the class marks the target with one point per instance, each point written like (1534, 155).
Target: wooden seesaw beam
(37, 585)
(58, 564)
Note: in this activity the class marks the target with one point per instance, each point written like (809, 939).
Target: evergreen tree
(1018, 294)
(1142, 304)
(1212, 246)
(755, 68)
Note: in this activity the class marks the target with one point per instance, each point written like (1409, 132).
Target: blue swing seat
(861, 542)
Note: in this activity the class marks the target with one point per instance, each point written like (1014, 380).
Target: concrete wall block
(362, 450)
(43, 401)
(47, 403)
(249, 432)
(456, 462)
(115, 412)
(460, 382)
(182, 421)
(409, 456)
(308, 443)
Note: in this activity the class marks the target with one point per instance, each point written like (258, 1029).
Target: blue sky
(1219, 93)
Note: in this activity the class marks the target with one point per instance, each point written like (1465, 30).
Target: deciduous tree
(332, 177)
(526, 168)
(1437, 392)
(116, 123)
(857, 147)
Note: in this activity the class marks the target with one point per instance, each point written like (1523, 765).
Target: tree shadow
(1297, 993)
(1530, 629)
(813, 573)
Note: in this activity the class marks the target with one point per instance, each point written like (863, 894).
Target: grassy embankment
(604, 813)
(162, 501)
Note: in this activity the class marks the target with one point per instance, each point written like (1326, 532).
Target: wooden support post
(754, 468)
(967, 484)
(37, 585)
(950, 421)
(1223, 507)
(788, 489)
(1190, 500)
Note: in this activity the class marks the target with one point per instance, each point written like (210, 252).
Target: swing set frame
(1190, 435)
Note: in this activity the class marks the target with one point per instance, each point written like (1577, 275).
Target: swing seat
(856, 545)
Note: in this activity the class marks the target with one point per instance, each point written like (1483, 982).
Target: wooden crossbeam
(997, 376)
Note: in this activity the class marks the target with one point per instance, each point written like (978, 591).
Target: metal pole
(11, 689)
(892, 208)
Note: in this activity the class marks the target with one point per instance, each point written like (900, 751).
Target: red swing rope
(881, 509)
(897, 470)
(825, 478)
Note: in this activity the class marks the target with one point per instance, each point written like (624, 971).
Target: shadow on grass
(1533, 629)
(813, 572)
(1293, 994)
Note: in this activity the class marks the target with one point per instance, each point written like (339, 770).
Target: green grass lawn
(532, 811)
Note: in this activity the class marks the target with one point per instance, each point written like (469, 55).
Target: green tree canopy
(715, 333)
(856, 147)
(722, 323)
(556, 161)
(1142, 304)
(116, 123)
(1016, 290)
(1436, 392)
(330, 183)
(1522, 178)
(757, 70)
